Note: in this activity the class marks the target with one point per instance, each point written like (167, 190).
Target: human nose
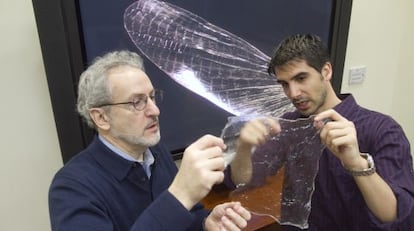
(294, 90)
(152, 108)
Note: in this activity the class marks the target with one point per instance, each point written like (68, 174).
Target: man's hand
(257, 131)
(202, 166)
(252, 134)
(227, 216)
(340, 137)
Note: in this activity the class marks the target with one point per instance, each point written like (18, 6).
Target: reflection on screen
(209, 57)
(204, 58)
(284, 170)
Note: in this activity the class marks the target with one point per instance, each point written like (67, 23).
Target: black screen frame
(58, 24)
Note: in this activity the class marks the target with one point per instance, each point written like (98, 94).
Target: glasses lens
(158, 96)
(141, 102)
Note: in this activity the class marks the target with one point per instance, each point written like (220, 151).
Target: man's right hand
(254, 133)
(257, 131)
(201, 167)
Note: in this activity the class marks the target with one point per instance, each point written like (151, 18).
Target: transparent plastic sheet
(205, 59)
(284, 170)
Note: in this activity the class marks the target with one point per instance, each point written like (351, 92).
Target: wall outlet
(357, 74)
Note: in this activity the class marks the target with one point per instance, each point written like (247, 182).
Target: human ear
(100, 118)
(327, 71)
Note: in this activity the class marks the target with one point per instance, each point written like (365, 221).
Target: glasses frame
(156, 98)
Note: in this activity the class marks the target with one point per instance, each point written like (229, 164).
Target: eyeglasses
(141, 100)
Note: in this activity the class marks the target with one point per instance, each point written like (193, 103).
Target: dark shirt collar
(348, 106)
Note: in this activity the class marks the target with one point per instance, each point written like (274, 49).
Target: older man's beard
(138, 140)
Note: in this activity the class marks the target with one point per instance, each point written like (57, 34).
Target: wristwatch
(365, 172)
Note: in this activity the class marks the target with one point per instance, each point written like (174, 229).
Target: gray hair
(93, 88)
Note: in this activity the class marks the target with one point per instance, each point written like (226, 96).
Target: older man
(124, 180)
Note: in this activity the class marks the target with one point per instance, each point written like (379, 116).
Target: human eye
(283, 83)
(139, 102)
(301, 77)
(152, 96)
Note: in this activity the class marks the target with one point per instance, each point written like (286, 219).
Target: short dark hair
(300, 47)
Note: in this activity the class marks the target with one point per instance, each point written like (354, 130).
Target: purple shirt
(337, 203)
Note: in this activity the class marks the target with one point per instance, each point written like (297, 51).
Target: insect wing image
(205, 59)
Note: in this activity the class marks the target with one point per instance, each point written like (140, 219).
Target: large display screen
(209, 57)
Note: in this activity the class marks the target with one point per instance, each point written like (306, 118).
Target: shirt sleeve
(390, 149)
(81, 212)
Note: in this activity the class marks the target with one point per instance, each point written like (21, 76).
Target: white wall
(381, 37)
(30, 152)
